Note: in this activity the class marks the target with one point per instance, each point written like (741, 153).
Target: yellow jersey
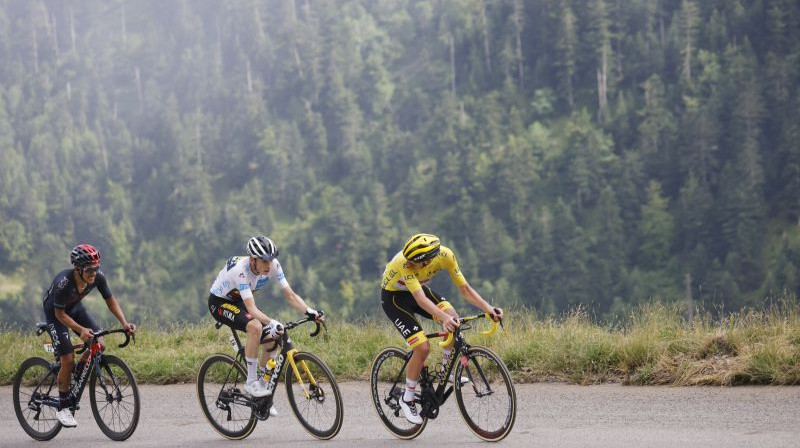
(399, 274)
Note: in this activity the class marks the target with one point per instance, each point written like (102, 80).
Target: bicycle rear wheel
(488, 402)
(35, 384)
(315, 397)
(220, 389)
(387, 383)
(114, 396)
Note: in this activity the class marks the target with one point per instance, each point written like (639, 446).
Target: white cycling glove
(275, 329)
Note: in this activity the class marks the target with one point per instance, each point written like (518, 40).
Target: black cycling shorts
(232, 313)
(59, 333)
(400, 308)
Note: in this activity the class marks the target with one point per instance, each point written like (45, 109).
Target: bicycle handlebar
(449, 338)
(102, 333)
(308, 318)
(290, 325)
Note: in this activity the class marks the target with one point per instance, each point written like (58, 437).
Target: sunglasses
(91, 270)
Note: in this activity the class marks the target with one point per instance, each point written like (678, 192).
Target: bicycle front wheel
(114, 396)
(488, 402)
(314, 396)
(220, 389)
(35, 385)
(387, 382)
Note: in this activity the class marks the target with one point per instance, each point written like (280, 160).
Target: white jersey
(236, 280)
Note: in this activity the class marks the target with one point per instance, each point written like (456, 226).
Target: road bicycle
(113, 392)
(484, 391)
(310, 386)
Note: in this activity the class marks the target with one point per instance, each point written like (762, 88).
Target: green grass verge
(654, 346)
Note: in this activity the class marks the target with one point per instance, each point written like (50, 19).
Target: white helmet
(262, 247)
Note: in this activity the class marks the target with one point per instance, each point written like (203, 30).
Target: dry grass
(655, 345)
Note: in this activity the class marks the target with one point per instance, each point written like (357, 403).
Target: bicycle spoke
(220, 380)
(314, 396)
(488, 402)
(34, 381)
(115, 398)
(387, 383)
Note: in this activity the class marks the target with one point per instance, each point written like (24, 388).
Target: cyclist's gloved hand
(131, 328)
(318, 316)
(275, 329)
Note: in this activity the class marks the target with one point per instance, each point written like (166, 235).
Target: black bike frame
(91, 361)
(443, 389)
(285, 342)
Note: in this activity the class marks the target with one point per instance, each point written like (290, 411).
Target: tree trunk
(487, 56)
(452, 65)
(518, 23)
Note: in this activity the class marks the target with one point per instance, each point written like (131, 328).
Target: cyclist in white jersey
(231, 302)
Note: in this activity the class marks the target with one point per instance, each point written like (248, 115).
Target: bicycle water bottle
(267, 372)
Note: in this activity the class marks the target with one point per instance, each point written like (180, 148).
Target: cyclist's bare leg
(65, 372)
(420, 353)
(270, 347)
(254, 328)
(447, 349)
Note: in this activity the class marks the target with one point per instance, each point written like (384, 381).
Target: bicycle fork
(313, 390)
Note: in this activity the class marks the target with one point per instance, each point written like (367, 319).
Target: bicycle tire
(115, 400)
(36, 379)
(389, 364)
(490, 415)
(214, 383)
(309, 399)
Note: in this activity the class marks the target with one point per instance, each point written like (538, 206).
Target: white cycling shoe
(464, 380)
(255, 389)
(411, 412)
(66, 418)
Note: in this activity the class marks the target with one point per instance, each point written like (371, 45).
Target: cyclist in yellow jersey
(404, 292)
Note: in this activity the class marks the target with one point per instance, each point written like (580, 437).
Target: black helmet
(262, 247)
(84, 255)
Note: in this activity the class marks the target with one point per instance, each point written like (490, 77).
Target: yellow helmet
(421, 247)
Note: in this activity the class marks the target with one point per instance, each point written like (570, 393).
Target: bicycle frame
(92, 361)
(262, 405)
(434, 397)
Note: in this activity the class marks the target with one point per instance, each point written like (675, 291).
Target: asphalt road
(549, 415)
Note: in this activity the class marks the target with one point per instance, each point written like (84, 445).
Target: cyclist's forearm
(116, 310)
(70, 323)
(428, 306)
(294, 299)
(472, 296)
(257, 314)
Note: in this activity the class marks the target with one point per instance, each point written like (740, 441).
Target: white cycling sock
(252, 369)
(411, 387)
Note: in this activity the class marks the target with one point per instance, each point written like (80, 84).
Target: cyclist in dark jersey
(64, 311)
